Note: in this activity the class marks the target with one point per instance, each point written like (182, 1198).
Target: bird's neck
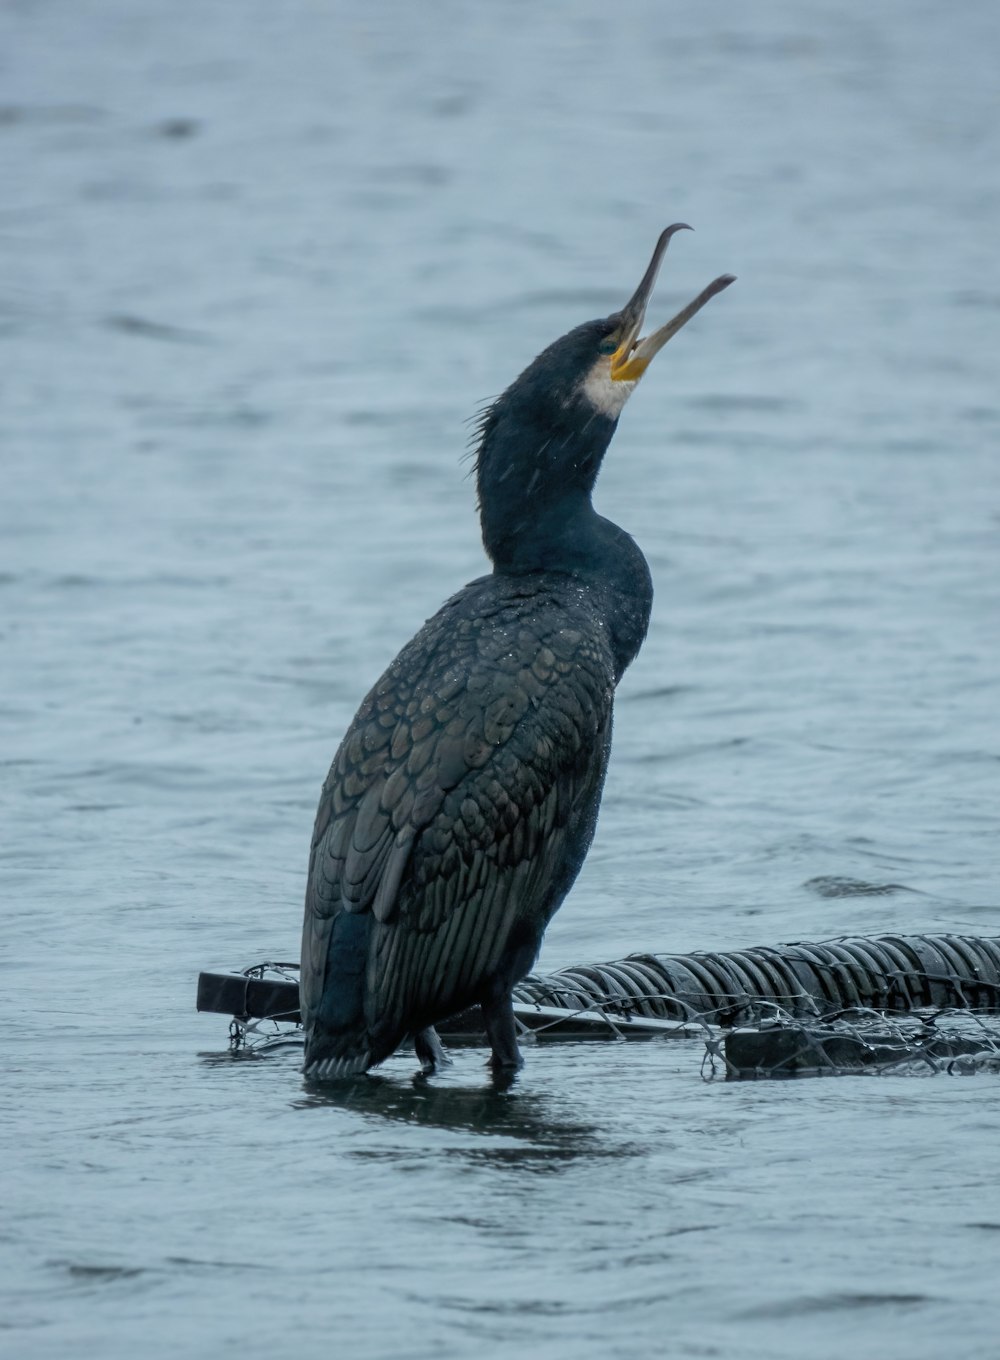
(566, 535)
(537, 465)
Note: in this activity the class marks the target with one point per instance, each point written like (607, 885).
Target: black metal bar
(248, 997)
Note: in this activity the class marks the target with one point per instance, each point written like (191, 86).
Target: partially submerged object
(804, 1009)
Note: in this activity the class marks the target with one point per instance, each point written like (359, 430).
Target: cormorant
(464, 797)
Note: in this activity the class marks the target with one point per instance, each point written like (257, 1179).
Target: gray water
(258, 264)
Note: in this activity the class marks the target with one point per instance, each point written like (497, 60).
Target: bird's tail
(337, 1041)
(329, 1069)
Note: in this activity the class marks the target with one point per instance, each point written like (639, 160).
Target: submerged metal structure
(857, 1003)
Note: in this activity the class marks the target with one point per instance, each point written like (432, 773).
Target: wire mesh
(921, 1043)
(903, 1004)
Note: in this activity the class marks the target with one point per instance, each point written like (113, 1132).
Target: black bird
(464, 797)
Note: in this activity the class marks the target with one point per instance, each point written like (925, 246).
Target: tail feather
(337, 1041)
(329, 1069)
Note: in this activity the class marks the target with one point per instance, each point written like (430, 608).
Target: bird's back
(456, 814)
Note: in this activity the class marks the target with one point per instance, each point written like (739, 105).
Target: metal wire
(874, 1004)
(887, 973)
(956, 1042)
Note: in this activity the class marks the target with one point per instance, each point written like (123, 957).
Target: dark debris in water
(128, 324)
(835, 1302)
(177, 129)
(833, 885)
(79, 1270)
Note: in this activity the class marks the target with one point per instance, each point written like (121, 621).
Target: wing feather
(460, 803)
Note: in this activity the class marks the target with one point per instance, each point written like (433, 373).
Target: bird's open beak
(632, 357)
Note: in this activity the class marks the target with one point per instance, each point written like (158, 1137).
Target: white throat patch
(603, 393)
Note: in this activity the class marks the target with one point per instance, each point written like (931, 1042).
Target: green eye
(607, 346)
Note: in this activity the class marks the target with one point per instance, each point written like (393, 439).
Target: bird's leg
(501, 1030)
(430, 1051)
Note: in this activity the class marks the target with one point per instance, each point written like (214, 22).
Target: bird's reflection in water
(514, 1126)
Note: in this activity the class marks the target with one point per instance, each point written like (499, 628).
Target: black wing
(461, 802)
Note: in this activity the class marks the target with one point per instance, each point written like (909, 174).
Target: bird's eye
(607, 346)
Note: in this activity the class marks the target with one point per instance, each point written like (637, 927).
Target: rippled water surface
(258, 263)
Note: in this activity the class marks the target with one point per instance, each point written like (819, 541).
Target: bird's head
(541, 443)
(610, 376)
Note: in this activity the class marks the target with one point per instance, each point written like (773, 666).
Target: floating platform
(798, 1009)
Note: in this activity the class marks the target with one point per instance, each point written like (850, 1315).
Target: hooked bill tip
(666, 234)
